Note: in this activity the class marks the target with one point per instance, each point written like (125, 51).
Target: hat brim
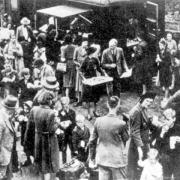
(7, 107)
(28, 105)
(25, 22)
(50, 87)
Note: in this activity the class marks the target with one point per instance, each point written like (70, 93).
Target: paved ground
(128, 100)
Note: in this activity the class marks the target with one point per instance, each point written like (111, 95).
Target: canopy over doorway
(62, 11)
(100, 2)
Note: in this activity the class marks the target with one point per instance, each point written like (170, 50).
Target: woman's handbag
(62, 67)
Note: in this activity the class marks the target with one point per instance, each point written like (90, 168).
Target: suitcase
(71, 171)
(94, 174)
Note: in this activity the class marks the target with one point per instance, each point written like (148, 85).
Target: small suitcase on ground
(71, 171)
(94, 174)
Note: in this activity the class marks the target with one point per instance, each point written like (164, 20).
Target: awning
(100, 2)
(62, 11)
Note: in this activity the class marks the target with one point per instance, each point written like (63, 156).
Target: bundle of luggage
(76, 170)
(71, 170)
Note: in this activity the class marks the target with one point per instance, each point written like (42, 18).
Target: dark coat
(46, 151)
(140, 73)
(89, 68)
(70, 115)
(165, 73)
(79, 135)
(25, 93)
(139, 132)
(52, 50)
(174, 103)
(174, 160)
(110, 151)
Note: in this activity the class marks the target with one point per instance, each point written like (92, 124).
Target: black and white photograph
(89, 89)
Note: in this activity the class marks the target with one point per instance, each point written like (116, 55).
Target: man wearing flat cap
(7, 136)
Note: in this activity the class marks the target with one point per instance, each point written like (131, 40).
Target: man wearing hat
(7, 136)
(25, 36)
(114, 63)
(25, 30)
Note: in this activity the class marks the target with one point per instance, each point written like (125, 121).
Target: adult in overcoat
(46, 151)
(140, 125)
(7, 137)
(25, 36)
(79, 57)
(110, 131)
(114, 63)
(165, 68)
(67, 53)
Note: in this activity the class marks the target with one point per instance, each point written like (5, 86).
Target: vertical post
(1, 20)
(35, 15)
(35, 21)
(4, 10)
(56, 24)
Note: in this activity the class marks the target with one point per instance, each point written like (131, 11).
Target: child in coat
(152, 169)
(80, 138)
(9, 77)
(23, 119)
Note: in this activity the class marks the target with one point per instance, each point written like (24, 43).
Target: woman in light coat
(14, 54)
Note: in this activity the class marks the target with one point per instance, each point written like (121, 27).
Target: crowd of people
(42, 77)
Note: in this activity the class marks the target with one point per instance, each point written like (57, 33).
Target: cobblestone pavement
(128, 100)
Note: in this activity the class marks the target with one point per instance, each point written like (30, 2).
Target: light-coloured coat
(111, 133)
(7, 134)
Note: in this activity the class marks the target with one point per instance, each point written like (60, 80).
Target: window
(14, 4)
